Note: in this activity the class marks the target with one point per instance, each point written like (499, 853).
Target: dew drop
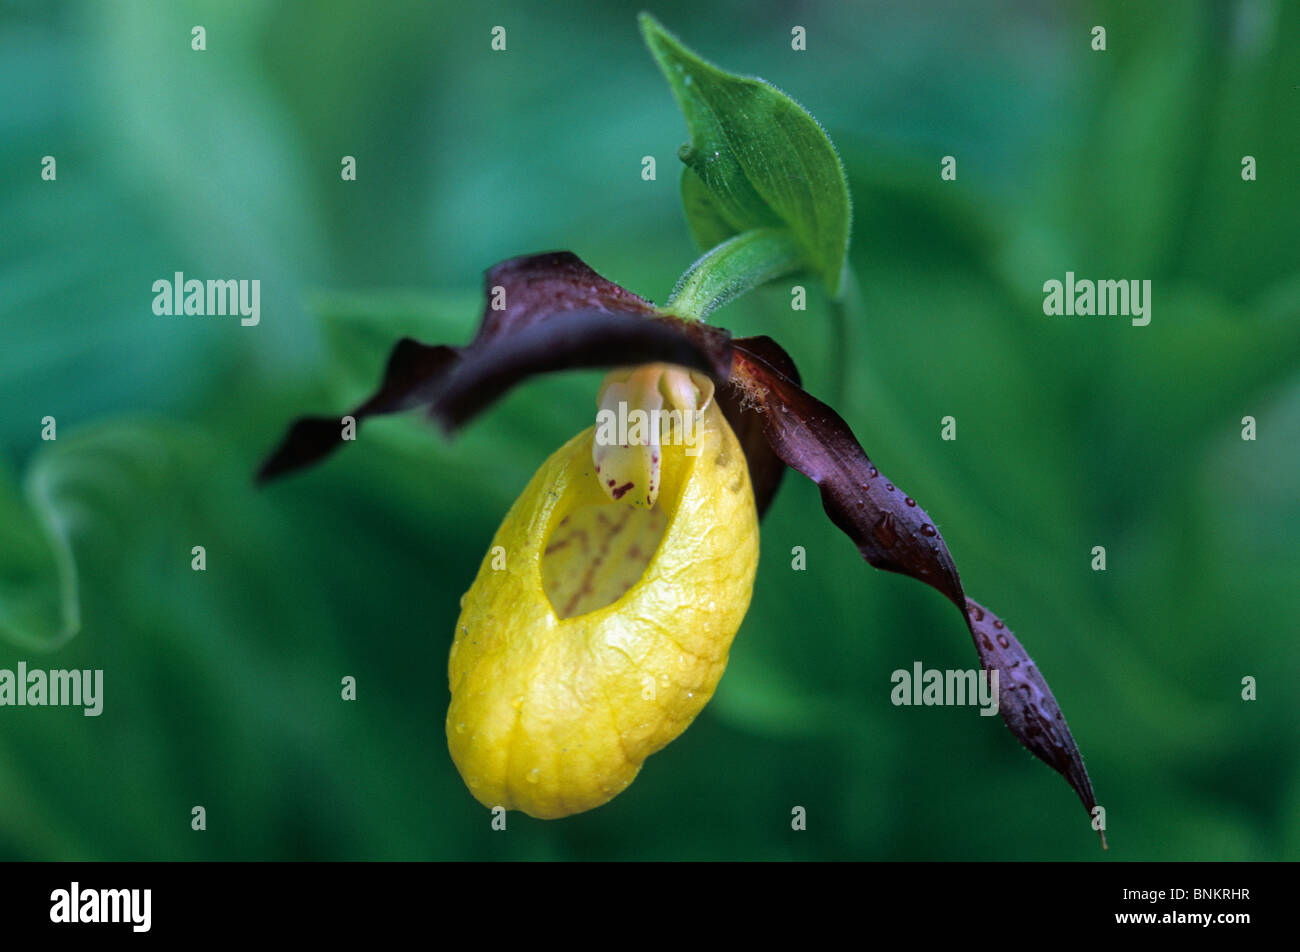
(460, 728)
(534, 775)
(998, 624)
(927, 529)
(889, 486)
(1002, 640)
(910, 501)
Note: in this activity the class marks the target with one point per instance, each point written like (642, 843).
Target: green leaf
(708, 224)
(762, 159)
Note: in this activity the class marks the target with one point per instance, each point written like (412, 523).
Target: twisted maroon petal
(543, 313)
(894, 533)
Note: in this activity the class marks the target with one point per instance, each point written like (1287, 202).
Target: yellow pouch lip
(557, 677)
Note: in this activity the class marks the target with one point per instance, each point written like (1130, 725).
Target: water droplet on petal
(910, 501)
(534, 775)
(928, 530)
(460, 728)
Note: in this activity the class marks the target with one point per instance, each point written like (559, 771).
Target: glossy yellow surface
(554, 716)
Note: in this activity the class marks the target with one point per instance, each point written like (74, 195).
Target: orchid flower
(602, 616)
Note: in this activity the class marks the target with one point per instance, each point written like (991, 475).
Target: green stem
(846, 310)
(736, 266)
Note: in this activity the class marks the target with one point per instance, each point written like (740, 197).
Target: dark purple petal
(413, 373)
(766, 469)
(812, 438)
(536, 287)
(575, 340)
(1026, 703)
(894, 533)
(542, 313)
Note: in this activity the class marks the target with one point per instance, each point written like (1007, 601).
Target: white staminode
(642, 409)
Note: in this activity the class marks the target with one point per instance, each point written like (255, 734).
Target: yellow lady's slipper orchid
(608, 628)
(630, 559)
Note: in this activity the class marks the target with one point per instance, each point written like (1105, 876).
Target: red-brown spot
(621, 490)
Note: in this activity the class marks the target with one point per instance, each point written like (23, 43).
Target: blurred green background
(222, 687)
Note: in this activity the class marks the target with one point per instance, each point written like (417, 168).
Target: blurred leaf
(38, 587)
(764, 160)
(72, 485)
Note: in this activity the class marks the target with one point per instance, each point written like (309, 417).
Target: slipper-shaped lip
(553, 715)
